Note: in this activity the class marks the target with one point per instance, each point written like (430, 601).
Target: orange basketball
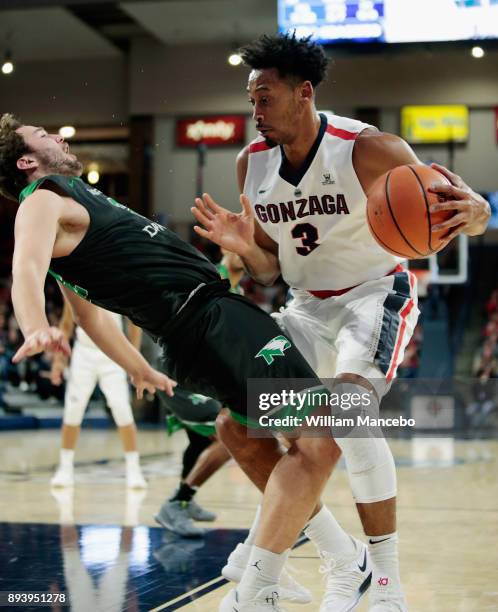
(398, 212)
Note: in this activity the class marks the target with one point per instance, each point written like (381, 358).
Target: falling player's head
(285, 73)
(28, 152)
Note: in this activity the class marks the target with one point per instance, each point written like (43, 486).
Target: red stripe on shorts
(403, 314)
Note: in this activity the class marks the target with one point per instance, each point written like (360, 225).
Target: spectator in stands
(491, 326)
(492, 303)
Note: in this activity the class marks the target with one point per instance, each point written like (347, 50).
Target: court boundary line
(209, 586)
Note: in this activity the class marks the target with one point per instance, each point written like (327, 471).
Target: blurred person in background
(89, 367)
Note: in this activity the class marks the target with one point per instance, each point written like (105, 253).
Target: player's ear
(307, 91)
(27, 162)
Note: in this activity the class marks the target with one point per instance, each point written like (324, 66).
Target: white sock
(66, 458)
(384, 554)
(262, 570)
(254, 527)
(132, 459)
(327, 535)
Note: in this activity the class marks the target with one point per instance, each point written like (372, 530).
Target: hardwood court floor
(448, 521)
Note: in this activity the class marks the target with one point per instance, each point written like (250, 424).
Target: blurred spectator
(30, 374)
(492, 303)
(491, 326)
(486, 358)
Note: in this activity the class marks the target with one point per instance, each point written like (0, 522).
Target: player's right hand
(229, 230)
(45, 339)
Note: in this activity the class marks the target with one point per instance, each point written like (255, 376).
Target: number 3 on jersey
(308, 235)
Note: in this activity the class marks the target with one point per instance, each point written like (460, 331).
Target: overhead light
(67, 131)
(477, 52)
(8, 64)
(234, 59)
(93, 175)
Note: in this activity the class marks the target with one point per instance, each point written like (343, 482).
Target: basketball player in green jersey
(102, 253)
(204, 454)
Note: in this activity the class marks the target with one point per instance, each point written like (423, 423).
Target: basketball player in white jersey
(89, 366)
(306, 180)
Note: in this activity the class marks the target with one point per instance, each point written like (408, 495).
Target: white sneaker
(236, 562)
(63, 477)
(347, 580)
(135, 480)
(386, 596)
(290, 589)
(265, 601)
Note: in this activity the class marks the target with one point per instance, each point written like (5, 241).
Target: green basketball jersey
(125, 262)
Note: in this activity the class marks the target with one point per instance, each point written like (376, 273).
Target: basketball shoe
(290, 589)
(63, 477)
(348, 578)
(198, 513)
(135, 478)
(265, 601)
(175, 516)
(386, 596)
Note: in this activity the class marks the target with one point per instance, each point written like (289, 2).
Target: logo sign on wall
(433, 124)
(214, 131)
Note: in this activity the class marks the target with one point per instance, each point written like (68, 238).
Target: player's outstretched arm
(239, 233)
(36, 226)
(59, 360)
(108, 336)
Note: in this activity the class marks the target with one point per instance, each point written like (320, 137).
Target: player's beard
(67, 165)
(271, 143)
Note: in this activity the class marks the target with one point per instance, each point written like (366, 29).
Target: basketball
(398, 212)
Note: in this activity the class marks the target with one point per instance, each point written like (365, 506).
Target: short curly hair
(12, 147)
(294, 58)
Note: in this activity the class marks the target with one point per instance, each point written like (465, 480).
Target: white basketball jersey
(85, 339)
(318, 219)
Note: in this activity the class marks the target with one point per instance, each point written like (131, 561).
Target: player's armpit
(375, 153)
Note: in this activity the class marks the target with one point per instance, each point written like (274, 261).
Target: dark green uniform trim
(174, 424)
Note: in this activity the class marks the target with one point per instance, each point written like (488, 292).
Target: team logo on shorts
(197, 398)
(275, 348)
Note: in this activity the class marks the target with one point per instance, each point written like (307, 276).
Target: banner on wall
(213, 131)
(496, 123)
(435, 124)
